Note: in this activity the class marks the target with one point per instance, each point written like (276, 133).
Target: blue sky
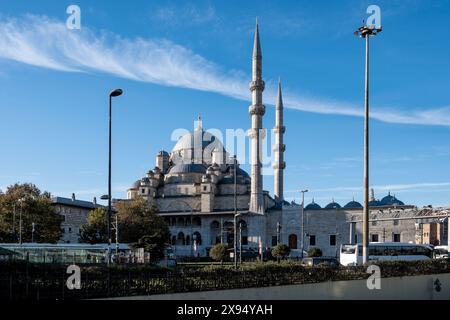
(175, 60)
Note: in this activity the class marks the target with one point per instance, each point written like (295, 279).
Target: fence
(26, 281)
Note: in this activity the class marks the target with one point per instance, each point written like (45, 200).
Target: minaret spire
(279, 147)
(256, 42)
(256, 134)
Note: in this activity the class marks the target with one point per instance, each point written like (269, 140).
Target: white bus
(351, 254)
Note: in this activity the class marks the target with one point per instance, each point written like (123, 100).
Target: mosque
(199, 189)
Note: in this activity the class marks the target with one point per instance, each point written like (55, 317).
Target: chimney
(73, 196)
(95, 201)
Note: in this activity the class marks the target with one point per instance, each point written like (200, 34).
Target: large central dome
(200, 147)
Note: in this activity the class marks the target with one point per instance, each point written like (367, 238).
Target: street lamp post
(20, 221)
(366, 32)
(32, 231)
(113, 93)
(303, 221)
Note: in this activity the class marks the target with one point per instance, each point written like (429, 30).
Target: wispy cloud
(44, 42)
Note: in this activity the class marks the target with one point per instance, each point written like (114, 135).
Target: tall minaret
(256, 110)
(279, 147)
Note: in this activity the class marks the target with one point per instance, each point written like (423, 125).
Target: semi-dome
(188, 168)
(353, 205)
(391, 201)
(333, 205)
(313, 206)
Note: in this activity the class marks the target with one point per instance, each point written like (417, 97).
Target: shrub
(218, 252)
(314, 252)
(280, 251)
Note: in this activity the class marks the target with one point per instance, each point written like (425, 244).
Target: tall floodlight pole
(366, 32)
(113, 93)
(303, 221)
(235, 213)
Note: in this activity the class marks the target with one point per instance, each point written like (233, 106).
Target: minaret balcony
(281, 165)
(279, 129)
(258, 109)
(257, 84)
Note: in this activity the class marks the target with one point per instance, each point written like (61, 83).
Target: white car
(441, 252)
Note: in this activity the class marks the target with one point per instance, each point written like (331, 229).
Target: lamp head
(116, 93)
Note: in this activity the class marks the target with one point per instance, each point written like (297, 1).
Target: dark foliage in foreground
(20, 281)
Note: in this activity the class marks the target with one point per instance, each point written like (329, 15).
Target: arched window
(293, 241)
(174, 240)
(188, 240)
(197, 221)
(215, 232)
(180, 221)
(180, 239)
(197, 237)
(215, 225)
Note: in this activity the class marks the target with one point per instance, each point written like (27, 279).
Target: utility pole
(366, 32)
(303, 221)
(240, 243)
(278, 232)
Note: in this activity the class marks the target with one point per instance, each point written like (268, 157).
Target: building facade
(75, 213)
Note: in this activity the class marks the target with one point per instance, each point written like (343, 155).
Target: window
(396, 237)
(70, 230)
(244, 240)
(312, 240)
(142, 190)
(274, 240)
(356, 238)
(374, 223)
(332, 240)
(205, 188)
(374, 238)
(396, 221)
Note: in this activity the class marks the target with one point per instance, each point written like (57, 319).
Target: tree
(314, 252)
(218, 252)
(142, 227)
(280, 251)
(95, 229)
(34, 206)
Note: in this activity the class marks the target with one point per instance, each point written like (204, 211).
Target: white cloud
(43, 42)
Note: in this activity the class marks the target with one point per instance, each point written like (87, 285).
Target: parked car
(296, 254)
(315, 261)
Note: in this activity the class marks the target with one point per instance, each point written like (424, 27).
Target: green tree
(314, 252)
(280, 251)
(34, 206)
(95, 229)
(142, 227)
(218, 252)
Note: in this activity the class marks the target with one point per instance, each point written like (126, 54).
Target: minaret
(279, 147)
(256, 134)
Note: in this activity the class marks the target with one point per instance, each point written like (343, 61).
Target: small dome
(313, 206)
(391, 201)
(188, 168)
(353, 205)
(136, 184)
(333, 205)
